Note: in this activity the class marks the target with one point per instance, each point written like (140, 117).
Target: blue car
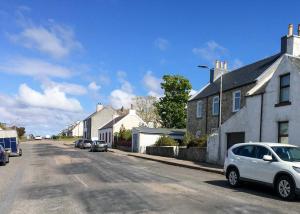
(4, 156)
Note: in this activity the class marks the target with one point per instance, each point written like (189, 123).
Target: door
(135, 143)
(13, 145)
(245, 157)
(234, 138)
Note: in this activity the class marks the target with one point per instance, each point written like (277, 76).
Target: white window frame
(234, 97)
(213, 105)
(199, 109)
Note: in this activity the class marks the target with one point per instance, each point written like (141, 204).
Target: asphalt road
(53, 178)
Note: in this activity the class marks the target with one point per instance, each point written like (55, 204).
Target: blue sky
(59, 58)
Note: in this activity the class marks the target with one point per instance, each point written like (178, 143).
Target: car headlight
(297, 169)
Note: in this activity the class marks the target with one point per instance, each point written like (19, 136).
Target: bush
(198, 142)
(188, 137)
(165, 141)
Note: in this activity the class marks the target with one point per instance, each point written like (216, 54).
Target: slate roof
(112, 122)
(147, 130)
(239, 77)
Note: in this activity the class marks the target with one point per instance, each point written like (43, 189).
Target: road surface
(53, 178)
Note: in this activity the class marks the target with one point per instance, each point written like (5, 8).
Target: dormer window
(284, 95)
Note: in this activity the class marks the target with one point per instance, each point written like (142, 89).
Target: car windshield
(285, 153)
(99, 142)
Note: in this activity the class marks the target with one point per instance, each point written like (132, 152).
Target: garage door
(234, 138)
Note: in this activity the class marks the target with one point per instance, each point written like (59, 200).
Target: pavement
(51, 177)
(175, 162)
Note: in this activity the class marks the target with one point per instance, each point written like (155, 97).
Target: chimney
(290, 44)
(220, 67)
(99, 107)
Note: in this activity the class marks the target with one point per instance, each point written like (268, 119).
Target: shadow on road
(250, 188)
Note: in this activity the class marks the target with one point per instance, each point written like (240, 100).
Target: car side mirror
(267, 158)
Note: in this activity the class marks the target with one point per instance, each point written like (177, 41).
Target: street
(54, 178)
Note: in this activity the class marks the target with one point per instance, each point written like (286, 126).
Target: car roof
(270, 144)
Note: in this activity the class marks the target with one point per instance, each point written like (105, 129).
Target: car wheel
(233, 177)
(285, 188)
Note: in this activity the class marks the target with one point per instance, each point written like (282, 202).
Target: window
(261, 151)
(284, 95)
(283, 132)
(246, 151)
(199, 109)
(109, 137)
(291, 154)
(236, 101)
(215, 106)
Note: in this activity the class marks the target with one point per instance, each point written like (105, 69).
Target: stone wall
(165, 151)
(195, 124)
(192, 154)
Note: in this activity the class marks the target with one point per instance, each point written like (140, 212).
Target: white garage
(143, 137)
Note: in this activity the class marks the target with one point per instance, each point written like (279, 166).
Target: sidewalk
(175, 162)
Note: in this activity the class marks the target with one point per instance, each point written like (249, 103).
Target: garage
(234, 138)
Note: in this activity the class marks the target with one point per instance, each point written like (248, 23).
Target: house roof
(147, 130)
(237, 78)
(113, 122)
(96, 112)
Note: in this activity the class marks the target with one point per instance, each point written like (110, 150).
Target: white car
(38, 138)
(274, 164)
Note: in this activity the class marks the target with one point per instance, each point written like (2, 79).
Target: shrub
(198, 142)
(188, 137)
(165, 141)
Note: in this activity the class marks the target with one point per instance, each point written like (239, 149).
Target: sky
(58, 59)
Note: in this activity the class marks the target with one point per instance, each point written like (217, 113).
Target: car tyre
(233, 177)
(285, 188)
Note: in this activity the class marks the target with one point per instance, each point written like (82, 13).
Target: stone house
(259, 102)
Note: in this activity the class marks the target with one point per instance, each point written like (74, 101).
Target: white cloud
(152, 84)
(192, 92)
(68, 88)
(51, 98)
(237, 64)
(93, 86)
(161, 44)
(33, 67)
(37, 120)
(123, 96)
(56, 40)
(211, 51)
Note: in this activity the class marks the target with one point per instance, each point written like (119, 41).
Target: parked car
(273, 164)
(38, 138)
(77, 143)
(4, 156)
(99, 146)
(85, 144)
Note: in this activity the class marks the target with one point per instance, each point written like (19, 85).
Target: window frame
(282, 135)
(199, 113)
(234, 100)
(281, 87)
(213, 106)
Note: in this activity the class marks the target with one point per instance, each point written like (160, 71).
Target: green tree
(172, 106)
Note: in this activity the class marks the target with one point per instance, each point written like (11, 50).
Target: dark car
(77, 143)
(4, 156)
(99, 146)
(84, 144)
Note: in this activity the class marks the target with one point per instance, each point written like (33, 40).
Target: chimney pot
(225, 65)
(222, 65)
(217, 64)
(298, 30)
(290, 30)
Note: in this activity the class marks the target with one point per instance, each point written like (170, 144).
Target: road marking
(81, 181)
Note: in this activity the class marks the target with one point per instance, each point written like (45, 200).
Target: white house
(77, 129)
(129, 121)
(98, 119)
(144, 136)
(271, 112)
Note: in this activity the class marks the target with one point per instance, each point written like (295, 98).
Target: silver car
(99, 146)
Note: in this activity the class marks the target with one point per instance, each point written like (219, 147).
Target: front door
(234, 138)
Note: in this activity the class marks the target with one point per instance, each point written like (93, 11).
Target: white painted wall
(77, 131)
(102, 136)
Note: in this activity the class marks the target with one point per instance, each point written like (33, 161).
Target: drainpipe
(206, 116)
(261, 116)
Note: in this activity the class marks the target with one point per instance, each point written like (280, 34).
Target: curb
(177, 164)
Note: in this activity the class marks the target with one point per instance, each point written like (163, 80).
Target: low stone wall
(197, 154)
(124, 148)
(165, 151)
